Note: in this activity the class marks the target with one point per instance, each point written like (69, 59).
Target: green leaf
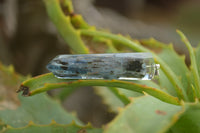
(153, 44)
(119, 95)
(181, 93)
(17, 111)
(194, 67)
(197, 54)
(193, 92)
(63, 23)
(149, 83)
(64, 93)
(9, 82)
(2, 125)
(30, 88)
(39, 81)
(109, 98)
(52, 128)
(40, 109)
(175, 62)
(145, 115)
(165, 84)
(189, 121)
(177, 65)
(115, 103)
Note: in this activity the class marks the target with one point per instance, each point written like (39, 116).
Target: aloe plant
(169, 104)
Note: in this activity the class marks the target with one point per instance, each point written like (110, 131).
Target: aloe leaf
(145, 115)
(2, 125)
(64, 26)
(111, 99)
(29, 87)
(189, 121)
(40, 109)
(192, 92)
(197, 54)
(165, 84)
(64, 93)
(194, 67)
(149, 83)
(177, 65)
(116, 97)
(78, 22)
(9, 82)
(153, 43)
(18, 111)
(39, 81)
(52, 128)
(120, 95)
(136, 47)
(108, 98)
(115, 103)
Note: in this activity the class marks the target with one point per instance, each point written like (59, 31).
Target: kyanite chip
(121, 66)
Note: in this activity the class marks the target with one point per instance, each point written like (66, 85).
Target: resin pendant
(121, 66)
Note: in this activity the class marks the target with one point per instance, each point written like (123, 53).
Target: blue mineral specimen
(121, 66)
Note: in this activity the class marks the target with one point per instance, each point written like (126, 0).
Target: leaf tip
(89, 125)
(24, 89)
(120, 109)
(178, 31)
(53, 122)
(7, 126)
(30, 123)
(131, 98)
(145, 93)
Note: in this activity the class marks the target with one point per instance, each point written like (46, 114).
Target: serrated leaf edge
(53, 123)
(111, 83)
(173, 121)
